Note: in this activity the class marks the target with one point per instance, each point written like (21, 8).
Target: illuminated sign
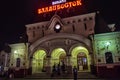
(60, 6)
(58, 2)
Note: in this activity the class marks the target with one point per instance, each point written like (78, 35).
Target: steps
(83, 75)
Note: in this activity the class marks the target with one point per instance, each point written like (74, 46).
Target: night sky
(15, 14)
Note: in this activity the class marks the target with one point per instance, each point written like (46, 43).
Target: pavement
(81, 76)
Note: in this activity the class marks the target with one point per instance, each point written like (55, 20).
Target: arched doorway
(58, 55)
(82, 61)
(80, 58)
(38, 61)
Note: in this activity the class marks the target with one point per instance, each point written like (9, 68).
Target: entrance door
(82, 62)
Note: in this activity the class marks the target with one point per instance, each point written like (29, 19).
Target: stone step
(83, 75)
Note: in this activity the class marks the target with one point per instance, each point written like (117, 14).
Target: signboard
(58, 2)
(59, 6)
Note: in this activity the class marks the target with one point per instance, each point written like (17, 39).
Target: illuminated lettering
(79, 3)
(74, 3)
(66, 5)
(60, 6)
(54, 8)
(50, 8)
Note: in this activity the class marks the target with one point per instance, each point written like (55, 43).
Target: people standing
(53, 71)
(75, 73)
(58, 69)
(63, 67)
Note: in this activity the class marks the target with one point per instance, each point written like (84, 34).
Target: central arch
(57, 56)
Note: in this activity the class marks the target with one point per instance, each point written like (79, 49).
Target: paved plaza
(81, 76)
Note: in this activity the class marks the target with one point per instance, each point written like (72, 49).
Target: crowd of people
(58, 69)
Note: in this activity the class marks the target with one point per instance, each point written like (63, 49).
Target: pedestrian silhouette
(53, 71)
(75, 73)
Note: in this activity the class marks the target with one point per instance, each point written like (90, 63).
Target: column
(48, 65)
(69, 66)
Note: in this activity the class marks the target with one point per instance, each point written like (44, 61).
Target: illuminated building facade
(61, 41)
(71, 41)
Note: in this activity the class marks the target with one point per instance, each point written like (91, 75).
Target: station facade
(70, 41)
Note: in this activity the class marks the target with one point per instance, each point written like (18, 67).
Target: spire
(100, 24)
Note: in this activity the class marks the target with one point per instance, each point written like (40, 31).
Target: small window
(29, 28)
(90, 18)
(18, 62)
(38, 27)
(33, 27)
(73, 28)
(85, 19)
(79, 20)
(68, 22)
(99, 60)
(85, 26)
(42, 26)
(118, 59)
(73, 21)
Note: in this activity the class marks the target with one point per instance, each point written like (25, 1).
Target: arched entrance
(80, 58)
(58, 55)
(82, 61)
(38, 61)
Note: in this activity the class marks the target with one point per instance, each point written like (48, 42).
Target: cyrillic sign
(59, 6)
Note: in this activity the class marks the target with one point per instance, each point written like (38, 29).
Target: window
(73, 21)
(29, 28)
(79, 20)
(85, 19)
(108, 56)
(118, 59)
(68, 22)
(73, 28)
(90, 18)
(38, 27)
(33, 27)
(85, 26)
(18, 62)
(99, 60)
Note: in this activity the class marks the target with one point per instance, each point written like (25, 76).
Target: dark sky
(15, 14)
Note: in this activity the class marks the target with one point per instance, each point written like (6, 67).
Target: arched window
(18, 62)
(108, 56)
